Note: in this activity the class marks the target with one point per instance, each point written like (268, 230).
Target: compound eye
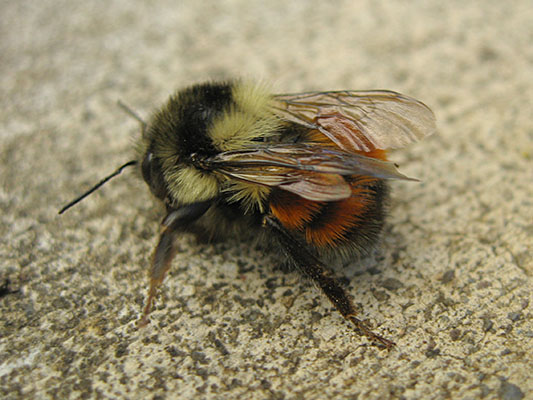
(146, 167)
(153, 176)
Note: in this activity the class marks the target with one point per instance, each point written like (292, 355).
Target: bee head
(177, 136)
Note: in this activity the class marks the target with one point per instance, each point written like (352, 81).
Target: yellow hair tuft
(252, 196)
(189, 185)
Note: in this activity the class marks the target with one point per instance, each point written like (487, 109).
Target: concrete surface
(451, 282)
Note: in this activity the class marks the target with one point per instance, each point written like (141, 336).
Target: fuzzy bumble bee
(308, 169)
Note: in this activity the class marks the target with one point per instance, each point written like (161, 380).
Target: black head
(180, 130)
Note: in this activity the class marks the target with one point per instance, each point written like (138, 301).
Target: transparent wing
(359, 120)
(313, 172)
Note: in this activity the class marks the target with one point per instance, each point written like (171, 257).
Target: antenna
(128, 110)
(97, 186)
(143, 124)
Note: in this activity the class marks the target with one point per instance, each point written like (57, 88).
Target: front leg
(311, 267)
(176, 220)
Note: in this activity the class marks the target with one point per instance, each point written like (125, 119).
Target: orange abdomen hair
(327, 225)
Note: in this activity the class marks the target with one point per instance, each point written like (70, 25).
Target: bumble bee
(308, 169)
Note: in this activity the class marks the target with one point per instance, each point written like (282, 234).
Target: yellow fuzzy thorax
(250, 120)
(246, 122)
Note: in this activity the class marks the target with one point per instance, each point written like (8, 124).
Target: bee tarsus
(312, 268)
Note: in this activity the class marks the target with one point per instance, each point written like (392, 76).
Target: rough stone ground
(451, 282)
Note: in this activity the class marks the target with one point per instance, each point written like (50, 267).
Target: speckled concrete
(451, 282)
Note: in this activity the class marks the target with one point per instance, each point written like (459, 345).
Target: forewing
(359, 120)
(312, 172)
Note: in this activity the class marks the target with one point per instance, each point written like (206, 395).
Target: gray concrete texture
(451, 282)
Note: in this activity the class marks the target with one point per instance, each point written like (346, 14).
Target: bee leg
(176, 220)
(311, 267)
